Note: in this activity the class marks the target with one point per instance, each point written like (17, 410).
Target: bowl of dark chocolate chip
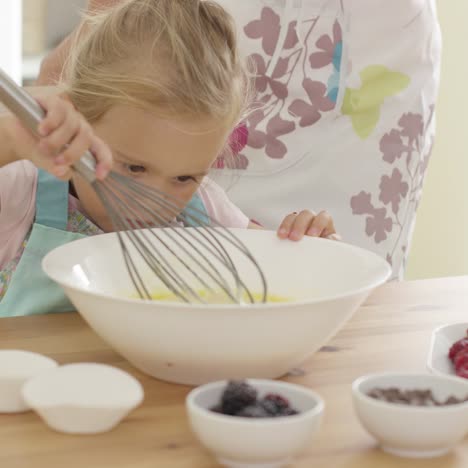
(413, 415)
(254, 423)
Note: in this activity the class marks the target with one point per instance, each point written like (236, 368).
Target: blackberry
(238, 395)
(254, 411)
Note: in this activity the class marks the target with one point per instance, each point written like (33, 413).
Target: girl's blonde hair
(171, 57)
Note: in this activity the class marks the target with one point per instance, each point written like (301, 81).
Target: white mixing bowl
(194, 344)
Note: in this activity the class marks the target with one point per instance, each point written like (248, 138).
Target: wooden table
(391, 332)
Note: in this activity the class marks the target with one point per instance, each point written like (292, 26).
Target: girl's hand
(64, 136)
(306, 223)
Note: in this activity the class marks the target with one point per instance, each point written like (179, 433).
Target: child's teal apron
(30, 291)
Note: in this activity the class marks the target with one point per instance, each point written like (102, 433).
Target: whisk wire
(191, 219)
(216, 276)
(192, 216)
(141, 242)
(125, 231)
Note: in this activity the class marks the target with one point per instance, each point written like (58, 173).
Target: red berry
(279, 401)
(462, 371)
(461, 358)
(457, 347)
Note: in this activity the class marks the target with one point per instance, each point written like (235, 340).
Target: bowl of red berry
(413, 415)
(448, 354)
(254, 423)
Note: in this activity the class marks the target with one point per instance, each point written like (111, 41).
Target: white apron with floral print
(346, 92)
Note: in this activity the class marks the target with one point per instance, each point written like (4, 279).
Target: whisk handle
(30, 113)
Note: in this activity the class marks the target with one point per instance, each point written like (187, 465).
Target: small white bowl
(83, 398)
(16, 367)
(255, 443)
(442, 340)
(413, 431)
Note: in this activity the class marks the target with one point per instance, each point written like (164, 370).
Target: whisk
(194, 262)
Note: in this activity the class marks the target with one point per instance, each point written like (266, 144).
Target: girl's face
(172, 156)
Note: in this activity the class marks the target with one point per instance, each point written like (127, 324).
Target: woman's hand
(306, 223)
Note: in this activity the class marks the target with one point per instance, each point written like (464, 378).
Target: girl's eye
(135, 168)
(185, 179)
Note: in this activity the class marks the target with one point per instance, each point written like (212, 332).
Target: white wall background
(10, 37)
(440, 243)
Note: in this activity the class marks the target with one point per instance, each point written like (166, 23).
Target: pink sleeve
(219, 207)
(18, 183)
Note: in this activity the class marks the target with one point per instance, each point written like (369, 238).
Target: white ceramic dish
(255, 443)
(16, 367)
(411, 431)
(194, 344)
(83, 398)
(441, 342)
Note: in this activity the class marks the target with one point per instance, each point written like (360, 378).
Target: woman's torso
(347, 91)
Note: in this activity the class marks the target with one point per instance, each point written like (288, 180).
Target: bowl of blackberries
(254, 423)
(413, 415)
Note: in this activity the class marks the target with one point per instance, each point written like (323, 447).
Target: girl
(161, 82)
